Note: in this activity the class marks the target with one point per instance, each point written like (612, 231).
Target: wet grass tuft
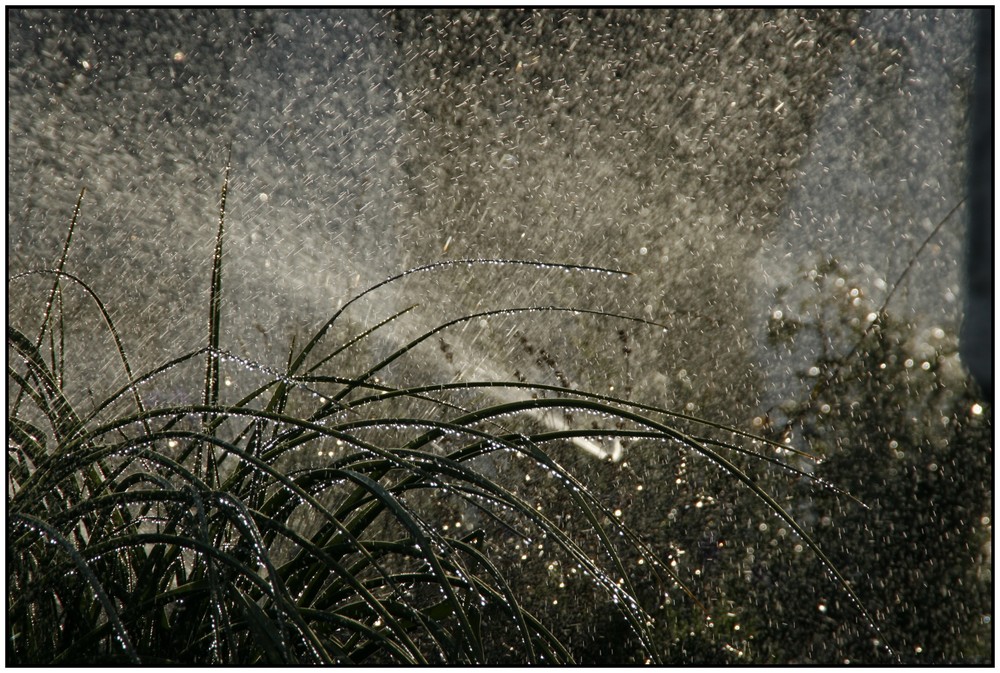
(319, 514)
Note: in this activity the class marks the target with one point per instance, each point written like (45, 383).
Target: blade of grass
(211, 396)
(472, 316)
(318, 336)
(55, 286)
(43, 529)
(107, 320)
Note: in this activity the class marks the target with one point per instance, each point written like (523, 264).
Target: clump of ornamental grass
(313, 520)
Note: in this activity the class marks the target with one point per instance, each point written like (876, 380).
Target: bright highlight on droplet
(977, 409)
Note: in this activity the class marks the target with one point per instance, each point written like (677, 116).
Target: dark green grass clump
(321, 515)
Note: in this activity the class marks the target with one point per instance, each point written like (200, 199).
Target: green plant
(900, 404)
(323, 516)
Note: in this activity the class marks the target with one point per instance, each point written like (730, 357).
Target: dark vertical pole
(976, 344)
